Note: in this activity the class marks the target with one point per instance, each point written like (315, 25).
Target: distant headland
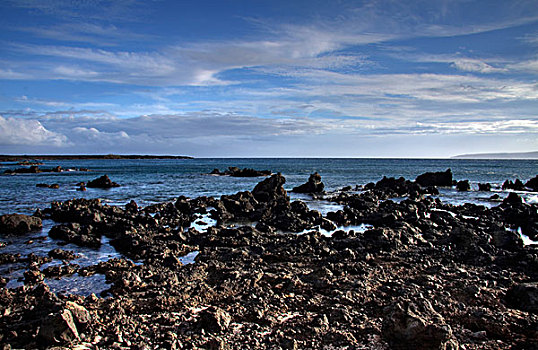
(15, 158)
(520, 155)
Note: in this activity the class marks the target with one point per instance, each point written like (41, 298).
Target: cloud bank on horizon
(379, 78)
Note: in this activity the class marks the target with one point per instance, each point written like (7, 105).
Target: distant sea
(149, 181)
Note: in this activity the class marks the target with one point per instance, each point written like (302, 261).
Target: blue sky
(288, 78)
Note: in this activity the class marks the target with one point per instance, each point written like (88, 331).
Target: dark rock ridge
(463, 186)
(425, 275)
(237, 172)
(314, 185)
(435, 179)
(53, 186)
(102, 182)
(517, 185)
(19, 224)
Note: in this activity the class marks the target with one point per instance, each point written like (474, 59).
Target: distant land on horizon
(518, 155)
(14, 157)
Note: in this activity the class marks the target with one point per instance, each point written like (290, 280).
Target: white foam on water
(357, 228)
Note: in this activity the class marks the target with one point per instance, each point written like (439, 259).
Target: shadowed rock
(314, 185)
(442, 178)
(102, 182)
(19, 224)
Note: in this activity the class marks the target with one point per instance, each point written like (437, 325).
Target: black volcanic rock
(484, 187)
(427, 275)
(313, 185)
(463, 186)
(237, 172)
(408, 324)
(523, 296)
(442, 178)
(271, 189)
(19, 224)
(102, 182)
(532, 184)
(517, 185)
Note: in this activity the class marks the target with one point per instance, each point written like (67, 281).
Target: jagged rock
(484, 187)
(59, 328)
(517, 185)
(214, 319)
(512, 199)
(33, 276)
(314, 185)
(416, 325)
(241, 205)
(532, 184)
(75, 233)
(463, 186)
(271, 189)
(61, 254)
(237, 172)
(131, 207)
(435, 179)
(19, 224)
(507, 239)
(523, 296)
(81, 315)
(53, 186)
(102, 182)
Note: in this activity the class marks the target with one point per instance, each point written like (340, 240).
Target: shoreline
(425, 274)
(14, 158)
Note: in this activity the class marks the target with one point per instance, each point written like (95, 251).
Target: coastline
(424, 274)
(14, 158)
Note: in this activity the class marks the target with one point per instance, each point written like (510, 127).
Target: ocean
(153, 181)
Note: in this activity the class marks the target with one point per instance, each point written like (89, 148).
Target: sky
(255, 78)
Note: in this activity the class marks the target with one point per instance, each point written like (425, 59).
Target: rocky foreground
(427, 275)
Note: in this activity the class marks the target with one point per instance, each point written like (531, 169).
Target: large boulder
(517, 185)
(441, 178)
(19, 224)
(102, 182)
(314, 185)
(271, 189)
(214, 319)
(59, 328)
(463, 186)
(416, 325)
(532, 184)
(523, 296)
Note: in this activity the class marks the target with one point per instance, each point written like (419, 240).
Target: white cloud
(469, 65)
(530, 66)
(14, 131)
(92, 136)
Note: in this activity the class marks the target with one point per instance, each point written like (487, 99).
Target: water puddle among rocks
(321, 205)
(526, 240)
(203, 222)
(40, 244)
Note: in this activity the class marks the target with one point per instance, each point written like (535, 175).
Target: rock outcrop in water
(313, 185)
(102, 182)
(442, 178)
(19, 224)
(237, 172)
(426, 275)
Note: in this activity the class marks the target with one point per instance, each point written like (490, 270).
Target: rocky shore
(425, 275)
